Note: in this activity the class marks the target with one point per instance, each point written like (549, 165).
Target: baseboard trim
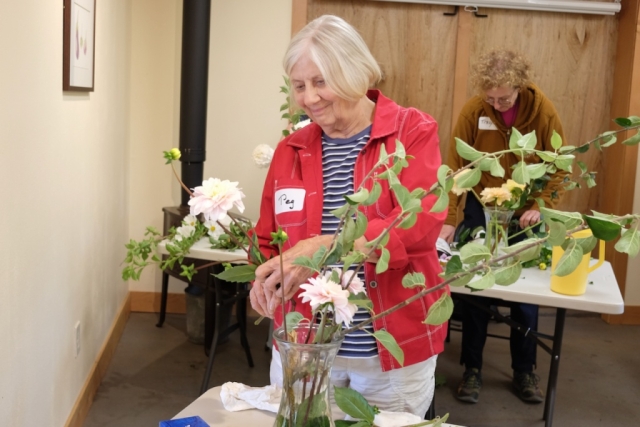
(85, 399)
(149, 302)
(631, 316)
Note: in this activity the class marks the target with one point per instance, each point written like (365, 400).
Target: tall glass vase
(497, 228)
(306, 374)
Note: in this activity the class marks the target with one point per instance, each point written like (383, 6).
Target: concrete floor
(156, 372)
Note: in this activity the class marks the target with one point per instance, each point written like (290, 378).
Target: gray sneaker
(526, 387)
(469, 388)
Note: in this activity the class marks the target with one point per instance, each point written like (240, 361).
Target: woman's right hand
(270, 284)
(447, 233)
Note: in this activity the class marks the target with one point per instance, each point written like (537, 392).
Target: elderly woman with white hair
(332, 71)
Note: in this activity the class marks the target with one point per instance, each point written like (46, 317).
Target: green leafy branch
(293, 117)
(356, 406)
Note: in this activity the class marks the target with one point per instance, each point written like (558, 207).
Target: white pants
(408, 389)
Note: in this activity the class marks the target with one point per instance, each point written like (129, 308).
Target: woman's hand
(447, 233)
(270, 284)
(529, 218)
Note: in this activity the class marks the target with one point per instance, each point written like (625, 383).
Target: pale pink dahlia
(320, 290)
(215, 198)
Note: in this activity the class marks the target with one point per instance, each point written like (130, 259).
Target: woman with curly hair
(507, 99)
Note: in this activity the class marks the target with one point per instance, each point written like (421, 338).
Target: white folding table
(534, 287)
(210, 409)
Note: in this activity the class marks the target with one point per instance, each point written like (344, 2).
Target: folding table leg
(241, 318)
(216, 333)
(163, 299)
(550, 400)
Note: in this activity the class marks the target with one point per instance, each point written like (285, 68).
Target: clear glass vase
(497, 228)
(306, 374)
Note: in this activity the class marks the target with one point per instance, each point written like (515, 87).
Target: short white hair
(339, 52)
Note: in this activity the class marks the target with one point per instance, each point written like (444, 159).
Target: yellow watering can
(574, 283)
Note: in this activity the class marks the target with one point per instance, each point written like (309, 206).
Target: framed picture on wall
(79, 43)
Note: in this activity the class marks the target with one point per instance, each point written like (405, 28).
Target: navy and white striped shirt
(338, 162)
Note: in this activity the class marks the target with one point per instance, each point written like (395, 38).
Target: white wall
(64, 213)
(248, 41)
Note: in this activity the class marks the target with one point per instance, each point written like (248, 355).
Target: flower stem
(283, 301)
(180, 181)
(231, 236)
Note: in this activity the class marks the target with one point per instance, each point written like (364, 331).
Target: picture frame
(78, 49)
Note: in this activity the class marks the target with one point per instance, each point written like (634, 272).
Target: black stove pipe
(193, 92)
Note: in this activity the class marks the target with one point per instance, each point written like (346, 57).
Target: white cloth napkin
(238, 397)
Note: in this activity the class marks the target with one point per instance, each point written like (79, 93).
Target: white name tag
(289, 200)
(485, 123)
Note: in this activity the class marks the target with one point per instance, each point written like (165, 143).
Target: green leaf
(514, 138)
(390, 176)
(569, 260)
(411, 280)
(402, 194)
(454, 265)
(383, 263)
(239, 274)
(570, 219)
(389, 342)
(485, 282)
(353, 257)
(374, 194)
(338, 423)
(583, 148)
(623, 121)
(520, 173)
(334, 255)
(440, 311)
(485, 164)
(305, 261)
(603, 229)
(292, 319)
(556, 140)
(408, 222)
(528, 141)
(547, 156)
(359, 197)
(470, 179)
(443, 171)
(319, 255)
(629, 243)
(508, 274)
(587, 243)
(536, 170)
(361, 225)
(466, 151)
(557, 232)
(496, 168)
(634, 140)
(361, 300)
(527, 254)
(400, 152)
(338, 213)
(442, 203)
(564, 162)
(462, 280)
(609, 138)
(348, 231)
(383, 154)
(353, 404)
(474, 252)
